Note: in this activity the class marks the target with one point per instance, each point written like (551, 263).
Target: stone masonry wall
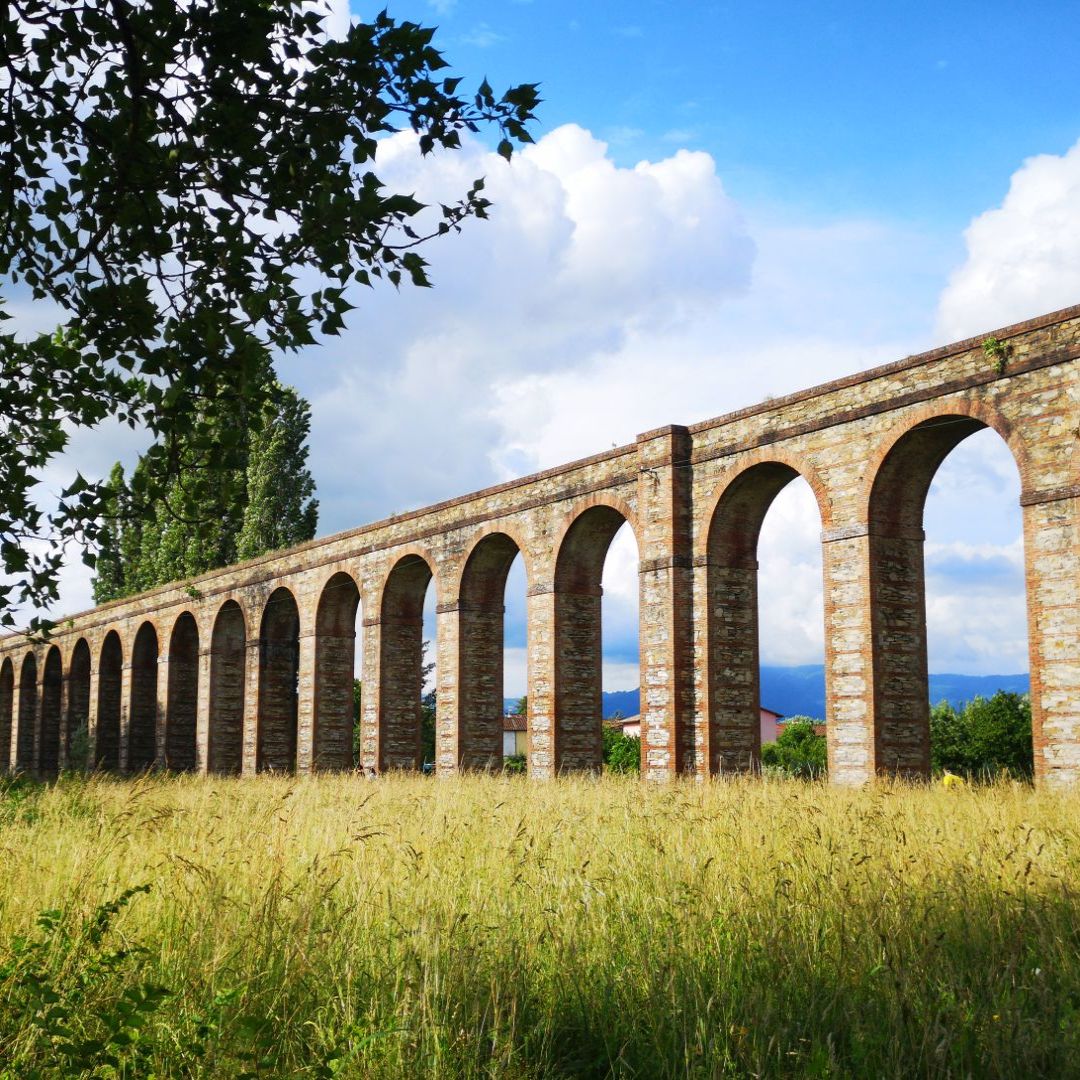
(261, 675)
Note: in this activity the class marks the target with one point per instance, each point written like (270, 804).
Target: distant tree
(281, 509)
(985, 738)
(521, 706)
(798, 750)
(108, 580)
(264, 504)
(622, 752)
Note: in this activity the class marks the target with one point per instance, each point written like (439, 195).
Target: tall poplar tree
(263, 505)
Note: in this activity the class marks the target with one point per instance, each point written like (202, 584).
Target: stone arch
(902, 470)
(78, 709)
(109, 702)
(52, 694)
(182, 695)
(508, 529)
(143, 707)
(401, 652)
(279, 672)
(579, 567)
(28, 700)
(7, 702)
(776, 459)
(930, 433)
(225, 738)
(481, 607)
(335, 664)
(732, 662)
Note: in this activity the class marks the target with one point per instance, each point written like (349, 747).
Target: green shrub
(985, 738)
(798, 751)
(622, 752)
(517, 764)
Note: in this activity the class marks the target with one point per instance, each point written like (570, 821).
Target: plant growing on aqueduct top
(192, 186)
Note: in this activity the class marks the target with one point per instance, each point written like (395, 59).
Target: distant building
(515, 736)
(770, 725)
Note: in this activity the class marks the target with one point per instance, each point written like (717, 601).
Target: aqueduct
(250, 668)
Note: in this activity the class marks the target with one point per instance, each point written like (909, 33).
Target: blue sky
(750, 198)
(915, 111)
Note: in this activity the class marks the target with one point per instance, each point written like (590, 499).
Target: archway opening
(401, 664)
(734, 640)
(24, 740)
(110, 683)
(791, 622)
(7, 703)
(579, 639)
(142, 723)
(52, 689)
(967, 576)
(225, 751)
(279, 673)
(485, 736)
(335, 667)
(77, 731)
(182, 701)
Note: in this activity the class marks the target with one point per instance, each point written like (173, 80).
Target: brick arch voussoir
(982, 411)
(262, 603)
(456, 577)
(438, 572)
(579, 506)
(800, 463)
(210, 615)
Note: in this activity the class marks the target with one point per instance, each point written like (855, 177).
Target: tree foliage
(984, 738)
(263, 503)
(622, 752)
(191, 187)
(798, 750)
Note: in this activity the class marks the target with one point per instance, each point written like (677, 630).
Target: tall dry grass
(497, 927)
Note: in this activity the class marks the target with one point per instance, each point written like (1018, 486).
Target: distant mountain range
(800, 691)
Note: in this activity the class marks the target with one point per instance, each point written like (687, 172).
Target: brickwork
(105, 727)
(250, 667)
(182, 696)
(224, 735)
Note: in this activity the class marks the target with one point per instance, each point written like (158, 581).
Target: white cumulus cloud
(1023, 257)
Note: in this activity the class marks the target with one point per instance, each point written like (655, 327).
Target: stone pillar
(1052, 572)
(306, 705)
(731, 682)
(252, 666)
(202, 704)
(540, 678)
(452, 712)
(666, 589)
(65, 725)
(92, 708)
(369, 696)
(162, 718)
(898, 633)
(332, 735)
(400, 666)
(26, 705)
(126, 672)
(849, 673)
(578, 679)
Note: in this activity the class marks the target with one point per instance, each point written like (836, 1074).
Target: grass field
(497, 927)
